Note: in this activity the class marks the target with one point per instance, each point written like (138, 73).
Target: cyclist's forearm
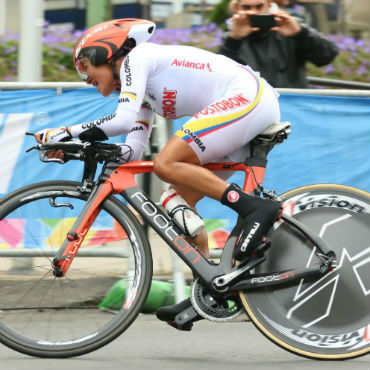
(115, 124)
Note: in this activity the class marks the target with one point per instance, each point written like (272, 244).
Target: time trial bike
(306, 287)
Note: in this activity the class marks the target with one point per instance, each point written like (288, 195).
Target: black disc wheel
(325, 318)
(103, 290)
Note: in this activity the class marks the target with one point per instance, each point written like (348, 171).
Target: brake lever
(33, 147)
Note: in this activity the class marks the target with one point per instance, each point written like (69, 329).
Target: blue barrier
(329, 143)
(329, 140)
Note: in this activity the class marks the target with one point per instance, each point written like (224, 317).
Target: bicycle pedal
(184, 320)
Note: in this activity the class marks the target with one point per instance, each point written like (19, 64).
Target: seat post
(263, 143)
(259, 150)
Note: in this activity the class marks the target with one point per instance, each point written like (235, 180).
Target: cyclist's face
(101, 77)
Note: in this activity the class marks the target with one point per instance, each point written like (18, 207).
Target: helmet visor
(81, 70)
(81, 62)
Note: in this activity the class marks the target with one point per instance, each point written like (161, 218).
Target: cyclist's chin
(105, 90)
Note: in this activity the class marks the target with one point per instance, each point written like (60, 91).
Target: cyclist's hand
(56, 154)
(53, 135)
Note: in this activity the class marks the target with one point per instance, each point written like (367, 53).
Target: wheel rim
(95, 298)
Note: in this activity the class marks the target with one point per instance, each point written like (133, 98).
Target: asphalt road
(151, 344)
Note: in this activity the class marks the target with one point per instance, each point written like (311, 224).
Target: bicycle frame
(120, 179)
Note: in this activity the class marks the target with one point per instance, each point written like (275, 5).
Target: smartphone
(263, 21)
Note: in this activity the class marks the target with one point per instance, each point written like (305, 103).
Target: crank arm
(222, 282)
(279, 278)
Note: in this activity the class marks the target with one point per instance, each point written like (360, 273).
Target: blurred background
(50, 28)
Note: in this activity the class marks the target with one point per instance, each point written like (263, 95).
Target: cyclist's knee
(162, 168)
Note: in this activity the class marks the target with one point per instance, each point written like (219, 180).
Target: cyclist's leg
(178, 164)
(192, 198)
(201, 141)
(219, 134)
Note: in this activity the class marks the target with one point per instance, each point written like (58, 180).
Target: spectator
(279, 53)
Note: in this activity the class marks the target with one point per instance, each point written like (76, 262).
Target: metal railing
(338, 83)
(121, 252)
(361, 90)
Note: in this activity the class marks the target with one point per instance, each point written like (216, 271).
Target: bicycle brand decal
(275, 277)
(152, 212)
(129, 299)
(307, 201)
(367, 334)
(47, 343)
(77, 243)
(352, 340)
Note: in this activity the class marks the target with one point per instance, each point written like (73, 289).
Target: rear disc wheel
(326, 318)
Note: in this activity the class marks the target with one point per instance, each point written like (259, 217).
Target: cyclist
(229, 105)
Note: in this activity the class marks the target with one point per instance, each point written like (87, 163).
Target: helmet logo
(90, 34)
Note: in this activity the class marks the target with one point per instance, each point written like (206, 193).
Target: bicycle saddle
(274, 130)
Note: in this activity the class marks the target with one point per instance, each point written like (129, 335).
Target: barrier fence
(329, 143)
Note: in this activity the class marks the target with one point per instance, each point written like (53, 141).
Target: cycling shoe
(169, 314)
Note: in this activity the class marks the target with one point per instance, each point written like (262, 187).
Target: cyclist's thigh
(228, 124)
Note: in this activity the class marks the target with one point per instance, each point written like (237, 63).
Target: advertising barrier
(329, 143)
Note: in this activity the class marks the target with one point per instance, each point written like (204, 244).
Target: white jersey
(176, 81)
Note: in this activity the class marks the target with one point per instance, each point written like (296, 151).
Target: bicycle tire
(44, 316)
(303, 318)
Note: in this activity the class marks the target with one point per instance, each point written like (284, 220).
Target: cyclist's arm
(137, 139)
(118, 123)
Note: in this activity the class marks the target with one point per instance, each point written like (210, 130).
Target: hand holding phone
(241, 26)
(263, 21)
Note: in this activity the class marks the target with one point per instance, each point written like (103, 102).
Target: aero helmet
(111, 39)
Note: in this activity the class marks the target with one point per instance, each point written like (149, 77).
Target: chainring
(212, 308)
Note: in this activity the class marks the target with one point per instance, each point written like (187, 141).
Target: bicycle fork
(77, 234)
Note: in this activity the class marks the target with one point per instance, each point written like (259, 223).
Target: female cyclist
(229, 105)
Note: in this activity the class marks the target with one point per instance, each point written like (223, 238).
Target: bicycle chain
(211, 308)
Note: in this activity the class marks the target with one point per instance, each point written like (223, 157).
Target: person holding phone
(274, 43)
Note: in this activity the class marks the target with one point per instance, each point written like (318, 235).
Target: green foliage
(220, 13)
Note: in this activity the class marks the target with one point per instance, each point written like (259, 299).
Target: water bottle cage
(182, 208)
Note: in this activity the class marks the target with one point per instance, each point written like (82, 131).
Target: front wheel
(103, 291)
(327, 318)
